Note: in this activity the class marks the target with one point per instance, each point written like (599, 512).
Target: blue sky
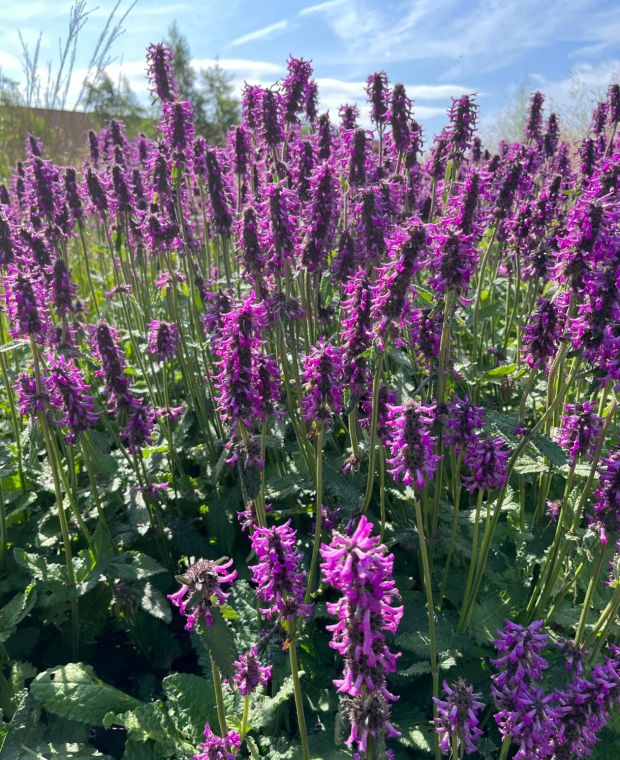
(437, 48)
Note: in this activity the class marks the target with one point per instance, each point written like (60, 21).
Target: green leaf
(155, 603)
(16, 610)
(264, 708)
(134, 566)
(502, 371)
(552, 450)
(65, 751)
(218, 641)
(73, 691)
(149, 721)
(23, 729)
(192, 700)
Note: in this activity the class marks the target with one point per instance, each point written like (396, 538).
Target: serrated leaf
(148, 722)
(16, 610)
(73, 691)
(25, 727)
(218, 641)
(154, 602)
(552, 450)
(192, 700)
(264, 708)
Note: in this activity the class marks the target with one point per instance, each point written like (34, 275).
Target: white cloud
(321, 7)
(9, 62)
(260, 34)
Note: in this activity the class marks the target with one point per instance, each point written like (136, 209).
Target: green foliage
(73, 691)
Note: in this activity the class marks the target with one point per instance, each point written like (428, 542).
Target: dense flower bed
(358, 399)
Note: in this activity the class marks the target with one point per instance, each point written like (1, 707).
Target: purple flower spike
(162, 340)
(202, 590)
(249, 673)
(323, 377)
(69, 392)
(163, 84)
(360, 568)
(412, 458)
(579, 430)
(219, 748)
(487, 460)
(606, 509)
(542, 335)
(525, 713)
(278, 576)
(457, 716)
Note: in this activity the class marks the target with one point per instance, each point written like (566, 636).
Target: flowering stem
(607, 618)
(376, 385)
(219, 696)
(488, 534)
(3, 533)
(428, 590)
(317, 513)
(299, 704)
(244, 719)
(505, 748)
(382, 488)
(558, 550)
(589, 592)
(474, 557)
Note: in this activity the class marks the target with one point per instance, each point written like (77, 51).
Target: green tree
(117, 101)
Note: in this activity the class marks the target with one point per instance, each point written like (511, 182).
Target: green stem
(505, 748)
(299, 704)
(474, 557)
(589, 593)
(428, 590)
(376, 385)
(244, 719)
(219, 696)
(317, 513)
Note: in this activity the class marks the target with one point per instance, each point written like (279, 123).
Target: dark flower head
(201, 590)
(161, 78)
(378, 93)
(249, 673)
(278, 576)
(412, 457)
(457, 717)
(163, 340)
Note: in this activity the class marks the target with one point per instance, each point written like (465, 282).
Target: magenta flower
(217, 747)
(279, 579)
(542, 334)
(69, 392)
(322, 374)
(605, 517)
(249, 673)
(487, 460)
(412, 457)
(457, 715)
(162, 340)
(579, 430)
(359, 567)
(201, 590)
(162, 81)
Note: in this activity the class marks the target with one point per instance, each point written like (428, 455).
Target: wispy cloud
(260, 34)
(321, 7)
